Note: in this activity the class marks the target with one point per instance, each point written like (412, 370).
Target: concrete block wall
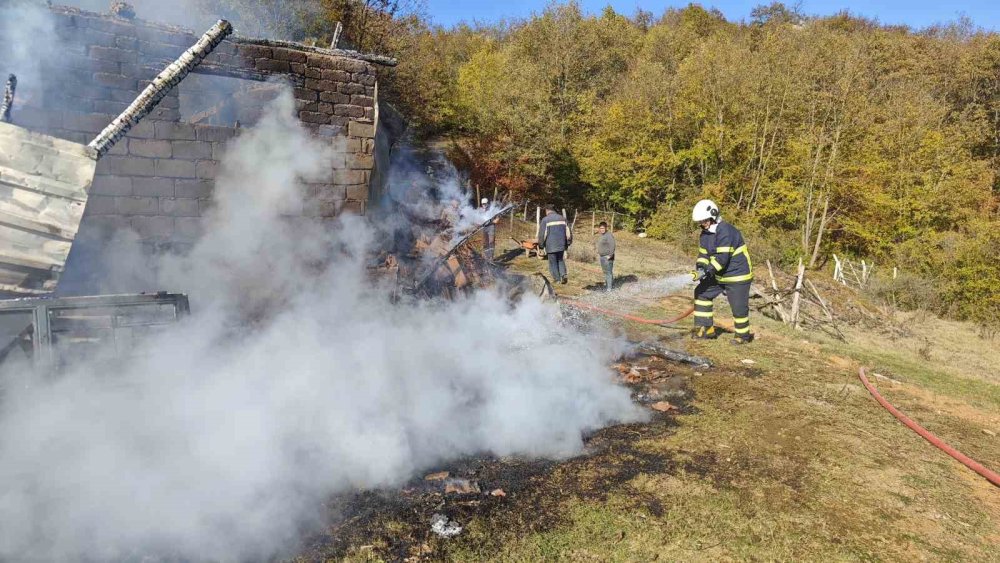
(158, 181)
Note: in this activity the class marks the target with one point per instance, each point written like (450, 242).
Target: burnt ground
(775, 454)
(394, 525)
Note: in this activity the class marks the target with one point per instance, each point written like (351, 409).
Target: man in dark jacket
(606, 251)
(723, 266)
(555, 237)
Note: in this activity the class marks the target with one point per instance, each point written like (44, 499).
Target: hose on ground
(927, 435)
(633, 318)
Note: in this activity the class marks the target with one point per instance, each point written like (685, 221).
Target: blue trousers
(557, 265)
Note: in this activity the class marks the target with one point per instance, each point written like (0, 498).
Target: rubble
(442, 526)
(461, 487)
(439, 476)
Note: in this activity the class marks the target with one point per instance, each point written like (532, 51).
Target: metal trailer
(49, 333)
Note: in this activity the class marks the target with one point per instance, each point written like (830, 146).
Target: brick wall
(159, 180)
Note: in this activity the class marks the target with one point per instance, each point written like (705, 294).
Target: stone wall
(158, 182)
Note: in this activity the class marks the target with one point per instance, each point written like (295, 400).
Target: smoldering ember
(255, 306)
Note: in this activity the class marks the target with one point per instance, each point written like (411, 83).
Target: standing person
(489, 232)
(555, 237)
(606, 251)
(723, 266)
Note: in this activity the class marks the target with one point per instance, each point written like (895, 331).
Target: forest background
(816, 135)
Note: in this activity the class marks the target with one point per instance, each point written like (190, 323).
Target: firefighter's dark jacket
(724, 254)
(553, 233)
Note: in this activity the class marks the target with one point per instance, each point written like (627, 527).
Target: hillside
(777, 452)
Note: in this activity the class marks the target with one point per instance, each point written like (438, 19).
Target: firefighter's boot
(706, 333)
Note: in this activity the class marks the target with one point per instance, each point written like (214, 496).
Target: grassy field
(778, 454)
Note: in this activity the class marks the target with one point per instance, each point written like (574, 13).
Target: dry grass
(787, 458)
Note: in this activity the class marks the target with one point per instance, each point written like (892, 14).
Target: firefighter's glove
(699, 274)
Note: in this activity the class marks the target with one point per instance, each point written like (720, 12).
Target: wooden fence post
(538, 218)
(796, 296)
(593, 216)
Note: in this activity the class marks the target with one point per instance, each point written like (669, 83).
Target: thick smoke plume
(295, 378)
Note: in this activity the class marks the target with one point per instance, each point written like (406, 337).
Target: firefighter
(723, 266)
(555, 237)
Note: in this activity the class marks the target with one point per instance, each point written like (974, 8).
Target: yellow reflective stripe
(743, 320)
(716, 265)
(741, 330)
(703, 314)
(735, 279)
(702, 250)
(702, 261)
(740, 250)
(724, 249)
(703, 302)
(555, 223)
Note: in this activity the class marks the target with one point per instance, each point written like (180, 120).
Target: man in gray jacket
(555, 237)
(606, 251)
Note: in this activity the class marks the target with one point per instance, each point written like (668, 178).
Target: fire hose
(633, 318)
(925, 434)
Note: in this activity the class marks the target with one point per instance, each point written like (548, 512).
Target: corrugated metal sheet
(44, 182)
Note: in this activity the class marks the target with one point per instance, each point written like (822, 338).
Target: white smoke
(22, 23)
(295, 378)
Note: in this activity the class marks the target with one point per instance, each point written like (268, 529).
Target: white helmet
(484, 201)
(705, 209)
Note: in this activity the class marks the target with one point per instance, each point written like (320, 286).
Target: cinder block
(360, 161)
(361, 129)
(115, 81)
(336, 75)
(282, 54)
(111, 185)
(137, 205)
(316, 60)
(100, 205)
(86, 122)
(271, 65)
(126, 166)
(180, 207)
(156, 228)
(214, 133)
(192, 150)
(351, 65)
(363, 79)
(362, 100)
(218, 151)
(314, 117)
(321, 85)
(351, 88)
(165, 114)
(106, 224)
(334, 97)
(149, 148)
(187, 229)
(193, 188)
(175, 168)
(207, 169)
(253, 52)
(174, 131)
(113, 54)
(347, 110)
(357, 192)
(159, 187)
(348, 177)
(305, 94)
(142, 130)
